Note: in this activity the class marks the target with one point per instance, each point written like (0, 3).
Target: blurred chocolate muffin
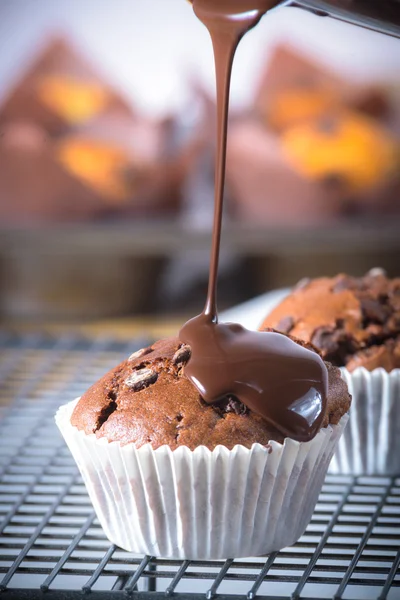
(349, 150)
(148, 399)
(73, 149)
(264, 186)
(60, 90)
(315, 148)
(121, 158)
(34, 186)
(313, 173)
(353, 321)
(294, 89)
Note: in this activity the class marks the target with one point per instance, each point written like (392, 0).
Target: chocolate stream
(280, 380)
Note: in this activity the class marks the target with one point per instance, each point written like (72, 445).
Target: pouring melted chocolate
(280, 380)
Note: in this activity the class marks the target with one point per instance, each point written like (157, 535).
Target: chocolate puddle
(272, 375)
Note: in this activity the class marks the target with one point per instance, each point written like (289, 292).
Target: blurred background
(107, 146)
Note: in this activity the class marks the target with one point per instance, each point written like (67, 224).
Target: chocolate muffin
(353, 321)
(148, 399)
(172, 476)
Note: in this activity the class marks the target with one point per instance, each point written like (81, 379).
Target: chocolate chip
(139, 354)
(233, 405)
(325, 340)
(141, 379)
(375, 333)
(182, 355)
(374, 311)
(334, 344)
(285, 324)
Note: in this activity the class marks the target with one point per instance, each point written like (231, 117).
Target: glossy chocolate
(272, 375)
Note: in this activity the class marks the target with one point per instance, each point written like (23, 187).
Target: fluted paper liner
(202, 504)
(371, 442)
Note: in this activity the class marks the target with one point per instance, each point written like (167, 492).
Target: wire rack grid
(52, 546)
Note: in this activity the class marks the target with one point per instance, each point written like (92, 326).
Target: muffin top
(148, 399)
(353, 321)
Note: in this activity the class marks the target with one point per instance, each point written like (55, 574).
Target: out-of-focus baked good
(264, 186)
(353, 321)
(60, 90)
(295, 89)
(346, 148)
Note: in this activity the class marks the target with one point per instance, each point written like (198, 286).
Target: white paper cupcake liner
(201, 504)
(371, 443)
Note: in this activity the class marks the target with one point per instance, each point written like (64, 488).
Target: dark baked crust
(353, 321)
(148, 399)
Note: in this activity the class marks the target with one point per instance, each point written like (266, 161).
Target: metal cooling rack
(51, 545)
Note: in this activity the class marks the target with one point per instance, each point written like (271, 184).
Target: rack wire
(52, 546)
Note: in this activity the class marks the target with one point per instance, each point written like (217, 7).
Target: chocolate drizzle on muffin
(163, 407)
